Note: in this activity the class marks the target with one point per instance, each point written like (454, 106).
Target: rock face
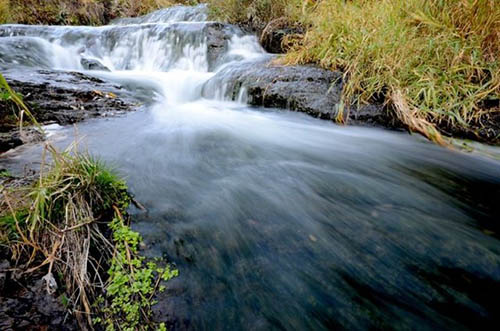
(273, 41)
(274, 34)
(306, 89)
(60, 97)
(218, 36)
(14, 138)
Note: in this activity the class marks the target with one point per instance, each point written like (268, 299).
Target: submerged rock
(91, 64)
(218, 36)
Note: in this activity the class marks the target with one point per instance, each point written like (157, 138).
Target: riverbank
(68, 256)
(434, 73)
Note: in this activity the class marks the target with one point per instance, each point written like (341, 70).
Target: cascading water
(277, 220)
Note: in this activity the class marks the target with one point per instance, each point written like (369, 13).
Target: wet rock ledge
(308, 89)
(59, 97)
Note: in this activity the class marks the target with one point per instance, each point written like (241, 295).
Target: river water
(276, 220)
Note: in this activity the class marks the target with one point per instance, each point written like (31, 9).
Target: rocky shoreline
(59, 97)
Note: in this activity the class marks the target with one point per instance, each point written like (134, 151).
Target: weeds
(256, 12)
(78, 12)
(132, 282)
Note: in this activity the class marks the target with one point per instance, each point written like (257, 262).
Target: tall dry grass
(435, 61)
(257, 12)
(5, 16)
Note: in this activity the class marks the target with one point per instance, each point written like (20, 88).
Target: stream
(275, 220)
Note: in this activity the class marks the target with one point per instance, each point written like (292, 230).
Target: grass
(258, 13)
(5, 16)
(77, 12)
(435, 62)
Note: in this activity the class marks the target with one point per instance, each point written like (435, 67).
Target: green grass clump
(435, 62)
(72, 224)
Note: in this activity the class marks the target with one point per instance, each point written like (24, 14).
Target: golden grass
(78, 12)
(257, 12)
(438, 58)
(4, 11)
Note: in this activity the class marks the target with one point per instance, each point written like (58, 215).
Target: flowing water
(274, 219)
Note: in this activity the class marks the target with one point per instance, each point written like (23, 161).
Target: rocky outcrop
(306, 89)
(59, 97)
(273, 37)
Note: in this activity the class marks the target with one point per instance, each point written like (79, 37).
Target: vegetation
(76, 12)
(258, 13)
(70, 222)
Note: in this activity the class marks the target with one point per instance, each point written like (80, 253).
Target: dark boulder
(273, 37)
(306, 89)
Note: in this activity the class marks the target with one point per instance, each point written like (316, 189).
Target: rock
(307, 89)
(30, 307)
(4, 265)
(274, 33)
(218, 36)
(91, 64)
(14, 138)
(59, 97)
(68, 97)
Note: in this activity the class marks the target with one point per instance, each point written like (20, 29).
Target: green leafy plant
(132, 284)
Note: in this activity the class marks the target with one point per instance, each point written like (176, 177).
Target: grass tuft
(5, 16)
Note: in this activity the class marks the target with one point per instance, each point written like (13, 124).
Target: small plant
(132, 283)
